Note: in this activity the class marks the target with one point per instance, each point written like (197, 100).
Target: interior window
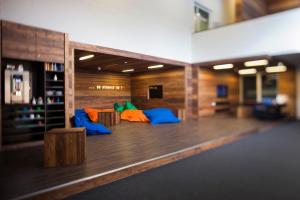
(249, 88)
(269, 85)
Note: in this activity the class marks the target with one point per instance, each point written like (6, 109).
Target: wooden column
(191, 91)
(69, 85)
(0, 86)
(69, 76)
(298, 91)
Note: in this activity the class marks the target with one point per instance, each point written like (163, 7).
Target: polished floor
(22, 173)
(260, 167)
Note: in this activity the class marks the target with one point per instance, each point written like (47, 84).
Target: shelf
(26, 120)
(52, 111)
(55, 124)
(55, 95)
(22, 105)
(58, 81)
(54, 71)
(55, 87)
(55, 104)
(31, 126)
(24, 133)
(30, 112)
(60, 117)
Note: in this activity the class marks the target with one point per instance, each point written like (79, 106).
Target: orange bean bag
(93, 113)
(134, 116)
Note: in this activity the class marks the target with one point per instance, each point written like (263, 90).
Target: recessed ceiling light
(125, 62)
(155, 66)
(247, 71)
(225, 66)
(99, 68)
(254, 63)
(276, 69)
(128, 70)
(86, 57)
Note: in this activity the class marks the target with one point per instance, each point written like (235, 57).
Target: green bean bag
(118, 107)
(129, 106)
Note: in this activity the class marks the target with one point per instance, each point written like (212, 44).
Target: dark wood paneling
(117, 52)
(31, 43)
(208, 81)
(287, 86)
(274, 6)
(50, 46)
(173, 89)
(1, 85)
(18, 41)
(86, 94)
(130, 143)
(249, 9)
(113, 63)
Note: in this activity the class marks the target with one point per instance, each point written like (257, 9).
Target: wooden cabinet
(30, 43)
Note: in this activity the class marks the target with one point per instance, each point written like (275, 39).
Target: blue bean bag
(81, 119)
(161, 116)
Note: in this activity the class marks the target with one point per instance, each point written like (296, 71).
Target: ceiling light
(254, 63)
(276, 69)
(225, 66)
(247, 71)
(99, 68)
(125, 62)
(86, 57)
(128, 70)
(155, 66)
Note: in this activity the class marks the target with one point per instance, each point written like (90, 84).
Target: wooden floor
(21, 171)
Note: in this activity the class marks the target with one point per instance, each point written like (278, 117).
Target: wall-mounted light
(225, 66)
(128, 70)
(276, 69)
(155, 66)
(254, 63)
(247, 71)
(86, 57)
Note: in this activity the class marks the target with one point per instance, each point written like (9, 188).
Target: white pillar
(298, 92)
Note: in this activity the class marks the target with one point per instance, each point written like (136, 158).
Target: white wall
(153, 27)
(298, 92)
(274, 34)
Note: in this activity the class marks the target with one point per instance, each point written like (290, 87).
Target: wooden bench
(64, 146)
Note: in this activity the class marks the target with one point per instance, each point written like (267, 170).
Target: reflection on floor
(21, 171)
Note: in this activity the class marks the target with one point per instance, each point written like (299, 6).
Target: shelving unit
(42, 53)
(54, 83)
(28, 122)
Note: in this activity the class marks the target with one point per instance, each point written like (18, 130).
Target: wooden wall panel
(207, 83)
(287, 86)
(18, 41)
(249, 9)
(50, 46)
(86, 94)
(281, 5)
(173, 89)
(31, 43)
